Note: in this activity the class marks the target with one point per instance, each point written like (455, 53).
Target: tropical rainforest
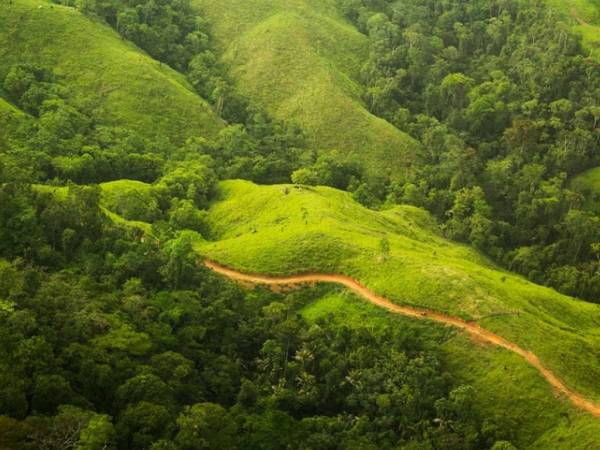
(441, 156)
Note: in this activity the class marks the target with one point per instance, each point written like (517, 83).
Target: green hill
(286, 229)
(290, 229)
(506, 388)
(106, 75)
(299, 59)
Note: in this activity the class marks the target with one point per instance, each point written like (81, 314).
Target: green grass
(507, 389)
(109, 191)
(119, 83)
(299, 59)
(285, 230)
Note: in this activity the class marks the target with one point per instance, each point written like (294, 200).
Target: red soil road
(473, 329)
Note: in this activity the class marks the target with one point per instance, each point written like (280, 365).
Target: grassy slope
(299, 60)
(261, 229)
(121, 84)
(506, 388)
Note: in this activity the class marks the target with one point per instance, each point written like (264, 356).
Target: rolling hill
(285, 229)
(299, 59)
(106, 75)
(281, 230)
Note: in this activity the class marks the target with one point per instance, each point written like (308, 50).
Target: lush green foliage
(112, 335)
(289, 229)
(111, 341)
(588, 185)
(299, 60)
(500, 137)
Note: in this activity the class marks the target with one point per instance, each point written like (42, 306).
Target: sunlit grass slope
(118, 82)
(507, 390)
(285, 230)
(300, 60)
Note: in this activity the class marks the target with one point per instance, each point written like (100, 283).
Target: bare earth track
(473, 329)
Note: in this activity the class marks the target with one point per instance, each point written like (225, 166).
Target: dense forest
(115, 336)
(113, 341)
(505, 103)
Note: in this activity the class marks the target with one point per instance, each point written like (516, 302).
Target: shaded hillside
(299, 59)
(114, 80)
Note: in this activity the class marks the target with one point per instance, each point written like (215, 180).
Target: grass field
(286, 230)
(506, 388)
(119, 83)
(299, 59)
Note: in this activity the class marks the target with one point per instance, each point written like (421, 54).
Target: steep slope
(105, 74)
(281, 230)
(299, 59)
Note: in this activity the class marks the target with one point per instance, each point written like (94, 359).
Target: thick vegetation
(113, 81)
(500, 137)
(119, 121)
(112, 341)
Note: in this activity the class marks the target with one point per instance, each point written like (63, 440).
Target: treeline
(505, 102)
(60, 141)
(115, 338)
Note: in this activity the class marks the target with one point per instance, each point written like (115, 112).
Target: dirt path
(471, 328)
(578, 18)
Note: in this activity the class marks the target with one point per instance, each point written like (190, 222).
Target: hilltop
(400, 253)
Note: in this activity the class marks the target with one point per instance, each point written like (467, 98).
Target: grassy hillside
(287, 229)
(299, 59)
(279, 230)
(105, 74)
(506, 388)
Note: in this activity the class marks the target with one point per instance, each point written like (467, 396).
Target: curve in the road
(472, 328)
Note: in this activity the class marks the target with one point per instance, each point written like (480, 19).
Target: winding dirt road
(472, 328)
